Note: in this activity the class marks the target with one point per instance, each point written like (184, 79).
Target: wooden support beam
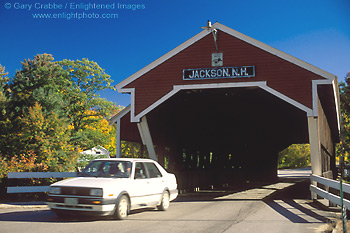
(315, 146)
(146, 137)
(119, 144)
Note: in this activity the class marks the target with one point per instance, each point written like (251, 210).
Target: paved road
(279, 207)
(295, 173)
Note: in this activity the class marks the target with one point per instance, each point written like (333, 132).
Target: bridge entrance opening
(226, 135)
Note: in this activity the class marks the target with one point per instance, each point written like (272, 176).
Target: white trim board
(335, 88)
(315, 83)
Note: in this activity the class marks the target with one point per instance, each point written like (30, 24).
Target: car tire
(121, 208)
(165, 201)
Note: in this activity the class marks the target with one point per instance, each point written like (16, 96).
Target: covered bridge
(219, 107)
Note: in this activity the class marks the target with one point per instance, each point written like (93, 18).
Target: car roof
(125, 159)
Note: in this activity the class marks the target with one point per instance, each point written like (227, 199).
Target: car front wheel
(165, 202)
(121, 208)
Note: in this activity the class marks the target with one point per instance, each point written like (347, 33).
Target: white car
(113, 187)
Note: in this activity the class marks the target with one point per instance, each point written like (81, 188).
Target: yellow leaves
(78, 149)
(296, 155)
(97, 131)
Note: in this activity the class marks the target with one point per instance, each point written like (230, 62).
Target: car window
(153, 171)
(102, 168)
(140, 171)
(93, 167)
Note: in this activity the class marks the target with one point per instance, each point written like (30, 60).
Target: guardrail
(39, 175)
(327, 195)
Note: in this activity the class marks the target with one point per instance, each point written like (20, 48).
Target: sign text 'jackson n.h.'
(216, 73)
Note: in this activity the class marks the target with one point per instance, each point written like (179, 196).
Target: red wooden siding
(128, 130)
(281, 75)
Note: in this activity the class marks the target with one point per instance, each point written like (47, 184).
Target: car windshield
(104, 168)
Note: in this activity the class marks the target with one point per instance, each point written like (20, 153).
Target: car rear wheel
(121, 208)
(165, 202)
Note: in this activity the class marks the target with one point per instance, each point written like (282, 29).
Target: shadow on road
(293, 217)
(39, 216)
(293, 202)
(283, 197)
(29, 216)
(286, 203)
(49, 216)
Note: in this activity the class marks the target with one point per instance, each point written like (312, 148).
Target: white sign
(217, 59)
(220, 72)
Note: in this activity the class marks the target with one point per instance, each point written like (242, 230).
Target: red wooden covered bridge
(219, 107)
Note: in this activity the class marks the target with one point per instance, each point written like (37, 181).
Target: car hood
(91, 182)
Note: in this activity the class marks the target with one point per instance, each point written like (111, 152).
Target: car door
(139, 190)
(156, 181)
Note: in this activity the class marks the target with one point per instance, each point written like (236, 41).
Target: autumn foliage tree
(86, 109)
(294, 156)
(98, 132)
(39, 81)
(48, 137)
(50, 111)
(345, 108)
(3, 100)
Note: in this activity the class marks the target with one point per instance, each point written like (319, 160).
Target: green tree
(4, 121)
(294, 156)
(3, 76)
(85, 105)
(39, 81)
(99, 132)
(345, 109)
(50, 110)
(3, 100)
(48, 138)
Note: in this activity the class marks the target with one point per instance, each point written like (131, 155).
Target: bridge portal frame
(323, 116)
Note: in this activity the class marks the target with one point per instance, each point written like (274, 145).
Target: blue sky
(315, 31)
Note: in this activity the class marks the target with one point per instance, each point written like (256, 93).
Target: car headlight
(96, 192)
(55, 190)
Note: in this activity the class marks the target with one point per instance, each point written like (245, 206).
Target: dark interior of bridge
(226, 134)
